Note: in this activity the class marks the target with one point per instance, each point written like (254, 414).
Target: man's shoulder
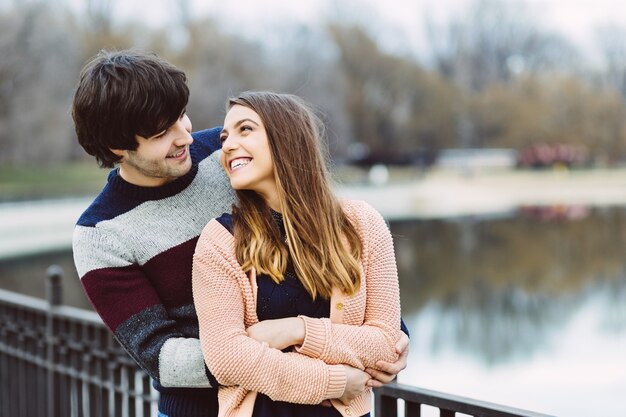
(206, 141)
(104, 207)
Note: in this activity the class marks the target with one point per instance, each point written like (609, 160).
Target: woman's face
(246, 155)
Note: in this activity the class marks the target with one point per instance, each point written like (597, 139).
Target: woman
(293, 290)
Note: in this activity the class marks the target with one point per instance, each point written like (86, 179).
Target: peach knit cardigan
(361, 330)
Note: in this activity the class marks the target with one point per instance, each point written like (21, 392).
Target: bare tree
(396, 107)
(552, 109)
(99, 14)
(218, 65)
(36, 79)
(611, 41)
(305, 56)
(494, 41)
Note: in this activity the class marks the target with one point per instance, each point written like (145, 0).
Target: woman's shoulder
(359, 210)
(226, 220)
(367, 221)
(217, 232)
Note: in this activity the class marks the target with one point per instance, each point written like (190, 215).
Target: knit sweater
(361, 330)
(133, 249)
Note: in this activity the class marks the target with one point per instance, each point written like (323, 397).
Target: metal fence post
(54, 294)
(54, 290)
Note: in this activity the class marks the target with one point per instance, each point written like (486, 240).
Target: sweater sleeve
(374, 339)
(225, 304)
(130, 307)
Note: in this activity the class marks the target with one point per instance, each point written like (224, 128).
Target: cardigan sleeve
(225, 304)
(362, 344)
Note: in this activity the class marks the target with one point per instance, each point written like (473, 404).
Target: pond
(527, 309)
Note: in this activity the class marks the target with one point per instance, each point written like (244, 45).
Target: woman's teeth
(238, 163)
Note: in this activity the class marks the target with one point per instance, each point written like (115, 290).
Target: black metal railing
(59, 361)
(413, 399)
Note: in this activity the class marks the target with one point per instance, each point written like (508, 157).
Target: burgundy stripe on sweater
(111, 285)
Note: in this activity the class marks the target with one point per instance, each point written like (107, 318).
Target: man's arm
(388, 371)
(282, 333)
(130, 307)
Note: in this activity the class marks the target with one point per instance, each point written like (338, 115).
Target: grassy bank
(77, 179)
(63, 180)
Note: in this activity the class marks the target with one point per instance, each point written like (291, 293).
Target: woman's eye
(245, 128)
(223, 138)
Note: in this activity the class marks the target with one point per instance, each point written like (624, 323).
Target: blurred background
(491, 134)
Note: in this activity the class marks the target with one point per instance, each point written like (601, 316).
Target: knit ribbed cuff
(336, 382)
(315, 337)
(359, 406)
(363, 403)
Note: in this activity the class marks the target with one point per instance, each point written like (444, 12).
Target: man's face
(159, 159)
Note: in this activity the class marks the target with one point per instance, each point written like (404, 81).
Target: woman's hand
(278, 333)
(355, 385)
(387, 371)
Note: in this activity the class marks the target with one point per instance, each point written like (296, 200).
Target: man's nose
(183, 133)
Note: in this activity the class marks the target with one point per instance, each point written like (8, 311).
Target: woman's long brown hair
(323, 245)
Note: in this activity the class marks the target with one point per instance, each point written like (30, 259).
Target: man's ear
(119, 152)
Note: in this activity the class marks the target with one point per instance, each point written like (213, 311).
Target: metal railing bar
(459, 404)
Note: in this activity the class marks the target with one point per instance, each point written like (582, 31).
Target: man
(133, 246)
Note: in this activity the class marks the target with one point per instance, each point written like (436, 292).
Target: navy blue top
(276, 301)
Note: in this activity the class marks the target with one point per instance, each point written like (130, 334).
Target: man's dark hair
(123, 94)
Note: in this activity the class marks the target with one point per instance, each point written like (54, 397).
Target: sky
(576, 19)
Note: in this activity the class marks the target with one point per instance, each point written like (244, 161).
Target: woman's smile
(238, 163)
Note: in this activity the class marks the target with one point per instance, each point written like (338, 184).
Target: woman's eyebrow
(239, 123)
(245, 120)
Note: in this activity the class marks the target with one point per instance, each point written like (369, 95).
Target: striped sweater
(362, 328)
(133, 249)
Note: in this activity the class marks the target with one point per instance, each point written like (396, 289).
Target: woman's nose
(229, 144)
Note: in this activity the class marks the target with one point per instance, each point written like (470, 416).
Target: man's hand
(387, 371)
(278, 333)
(357, 382)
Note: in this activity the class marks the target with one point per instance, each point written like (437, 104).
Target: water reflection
(526, 310)
(503, 287)
(613, 297)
